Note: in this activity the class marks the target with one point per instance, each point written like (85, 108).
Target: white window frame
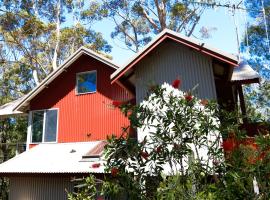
(44, 122)
(86, 72)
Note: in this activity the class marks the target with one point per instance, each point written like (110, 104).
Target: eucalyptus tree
(41, 34)
(257, 45)
(256, 41)
(137, 20)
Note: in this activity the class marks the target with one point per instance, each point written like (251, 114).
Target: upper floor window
(44, 126)
(86, 82)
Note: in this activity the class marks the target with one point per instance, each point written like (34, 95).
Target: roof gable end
(53, 75)
(187, 41)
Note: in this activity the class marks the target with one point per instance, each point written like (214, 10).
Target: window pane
(37, 126)
(86, 82)
(50, 126)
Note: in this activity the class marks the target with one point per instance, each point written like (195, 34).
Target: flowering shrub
(176, 83)
(181, 154)
(178, 134)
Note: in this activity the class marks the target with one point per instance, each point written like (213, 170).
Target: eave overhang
(244, 74)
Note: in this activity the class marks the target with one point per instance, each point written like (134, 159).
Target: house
(71, 113)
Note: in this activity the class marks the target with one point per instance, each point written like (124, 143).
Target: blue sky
(223, 38)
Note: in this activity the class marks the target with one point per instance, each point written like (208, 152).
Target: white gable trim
(70, 60)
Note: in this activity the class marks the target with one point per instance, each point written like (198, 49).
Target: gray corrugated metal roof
(8, 109)
(244, 72)
(54, 158)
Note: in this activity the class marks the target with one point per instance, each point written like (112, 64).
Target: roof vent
(72, 151)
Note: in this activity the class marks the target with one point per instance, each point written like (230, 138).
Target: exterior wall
(84, 117)
(39, 188)
(170, 60)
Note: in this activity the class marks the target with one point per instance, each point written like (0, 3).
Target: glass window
(37, 126)
(50, 126)
(86, 82)
(44, 126)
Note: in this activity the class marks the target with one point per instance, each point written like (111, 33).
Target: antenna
(236, 28)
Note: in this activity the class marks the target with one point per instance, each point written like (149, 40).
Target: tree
(32, 34)
(12, 130)
(258, 44)
(137, 20)
(258, 48)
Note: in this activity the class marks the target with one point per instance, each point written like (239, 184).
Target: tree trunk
(56, 49)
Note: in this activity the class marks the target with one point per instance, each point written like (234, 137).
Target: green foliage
(257, 45)
(137, 21)
(258, 58)
(181, 187)
(164, 163)
(86, 189)
(258, 102)
(178, 126)
(34, 36)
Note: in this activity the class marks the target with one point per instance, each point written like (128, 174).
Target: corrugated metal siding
(170, 60)
(85, 117)
(39, 188)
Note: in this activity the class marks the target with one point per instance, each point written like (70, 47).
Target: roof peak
(179, 38)
(68, 62)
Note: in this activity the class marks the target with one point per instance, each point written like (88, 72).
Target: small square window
(86, 82)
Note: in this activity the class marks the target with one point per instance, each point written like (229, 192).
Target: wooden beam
(242, 103)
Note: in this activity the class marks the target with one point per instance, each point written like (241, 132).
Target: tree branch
(149, 19)
(185, 20)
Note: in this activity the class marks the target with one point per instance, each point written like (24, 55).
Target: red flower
(117, 103)
(100, 198)
(262, 156)
(145, 155)
(252, 160)
(229, 145)
(95, 165)
(176, 83)
(158, 149)
(188, 97)
(204, 102)
(114, 171)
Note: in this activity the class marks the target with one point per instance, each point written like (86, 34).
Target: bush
(186, 149)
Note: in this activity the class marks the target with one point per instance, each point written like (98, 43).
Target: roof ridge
(167, 33)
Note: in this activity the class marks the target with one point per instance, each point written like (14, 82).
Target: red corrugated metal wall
(84, 117)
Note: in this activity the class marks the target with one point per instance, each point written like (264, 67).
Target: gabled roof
(54, 158)
(245, 74)
(71, 59)
(187, 41)
(8, 109)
